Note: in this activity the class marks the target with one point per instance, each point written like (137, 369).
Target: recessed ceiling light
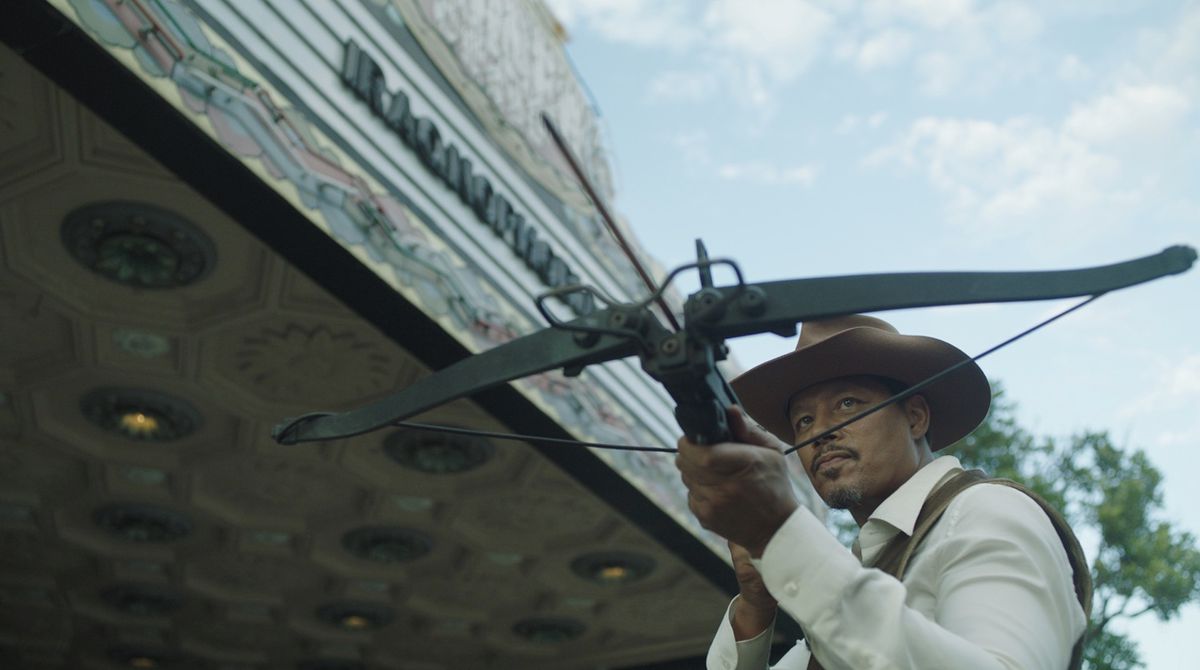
(138, 244)
(139, 414)
(355, 617)
(613, 568)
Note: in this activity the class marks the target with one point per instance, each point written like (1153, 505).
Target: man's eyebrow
(795, 405)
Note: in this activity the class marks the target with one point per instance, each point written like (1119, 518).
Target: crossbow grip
(701, 413)
(686, 365)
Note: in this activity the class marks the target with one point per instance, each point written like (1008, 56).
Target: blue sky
(808, 138)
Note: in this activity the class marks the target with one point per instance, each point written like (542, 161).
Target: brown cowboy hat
(853, 345)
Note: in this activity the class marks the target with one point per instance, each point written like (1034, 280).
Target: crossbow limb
(685, 361)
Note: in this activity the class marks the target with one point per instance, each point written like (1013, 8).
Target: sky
(809, 138)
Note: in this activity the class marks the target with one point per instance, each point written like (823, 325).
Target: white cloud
(934, 14)
(695, 147)
(885, 49)
(765, 173)
(1131, 113)
(1174, 53)
(852, 122)
(1011, 21)
(751, 49)
(957, 46)
(1014, 177)
(847, 124)
(781, 36)
(1175, 386)
(1184, 438)
(1181, 380)
(748, 49)
(652, 23)
(941, 72)
(1070, 68)
(1047, 180)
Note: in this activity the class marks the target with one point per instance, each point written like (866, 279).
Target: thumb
(747, 430)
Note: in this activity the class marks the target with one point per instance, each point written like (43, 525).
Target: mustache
(848, 452)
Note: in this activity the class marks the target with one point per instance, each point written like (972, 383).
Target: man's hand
(754, 610)
(739, 490)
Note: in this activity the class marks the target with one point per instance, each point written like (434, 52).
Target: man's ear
(916, 410)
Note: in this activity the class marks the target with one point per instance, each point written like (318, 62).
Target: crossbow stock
(684, 361)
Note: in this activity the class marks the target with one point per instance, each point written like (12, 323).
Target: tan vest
(893, 559)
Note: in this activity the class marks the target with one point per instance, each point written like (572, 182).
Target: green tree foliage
(1141, 564)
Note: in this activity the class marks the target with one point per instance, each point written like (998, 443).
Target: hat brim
(958, 402)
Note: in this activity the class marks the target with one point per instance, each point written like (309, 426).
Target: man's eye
(804, 422)
(847, 403)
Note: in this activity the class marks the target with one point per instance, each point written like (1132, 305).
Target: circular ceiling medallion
(141, 599)
(547, 630)
(355, 617)
(143, 523)
(138, 244)
(437, 453)
(613, 568)
(141, 343)
(137, 414)
(386, 544)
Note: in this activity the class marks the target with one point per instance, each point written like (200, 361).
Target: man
(986, 584)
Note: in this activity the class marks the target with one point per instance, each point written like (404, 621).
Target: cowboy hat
(848, 346)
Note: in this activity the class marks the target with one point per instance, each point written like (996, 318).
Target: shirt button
(791, 588)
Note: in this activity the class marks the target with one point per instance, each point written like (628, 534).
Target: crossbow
(684, 361)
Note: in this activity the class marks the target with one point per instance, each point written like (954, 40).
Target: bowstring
(910, 391)
(527, 438)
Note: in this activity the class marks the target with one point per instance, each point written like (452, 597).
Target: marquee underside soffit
(147, 344)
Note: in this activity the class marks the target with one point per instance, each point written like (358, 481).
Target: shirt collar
(899, 511)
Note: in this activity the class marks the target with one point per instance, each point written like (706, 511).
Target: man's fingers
(739, 553)
(745, 429)
(714, 464)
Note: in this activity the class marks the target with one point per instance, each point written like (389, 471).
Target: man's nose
(822, 439)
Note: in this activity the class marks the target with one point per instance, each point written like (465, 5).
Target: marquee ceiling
(147, 344)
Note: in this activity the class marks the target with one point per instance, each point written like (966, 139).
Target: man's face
(860, 465)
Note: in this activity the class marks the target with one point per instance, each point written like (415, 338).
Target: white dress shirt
(990, 587)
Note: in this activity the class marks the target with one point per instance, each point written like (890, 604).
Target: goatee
(846, 497)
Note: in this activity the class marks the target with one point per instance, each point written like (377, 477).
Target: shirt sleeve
(726, 653)
(1002, 584)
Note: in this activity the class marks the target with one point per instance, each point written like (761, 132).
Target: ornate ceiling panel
(148, 521)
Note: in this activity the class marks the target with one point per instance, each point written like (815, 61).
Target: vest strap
(894, 557)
